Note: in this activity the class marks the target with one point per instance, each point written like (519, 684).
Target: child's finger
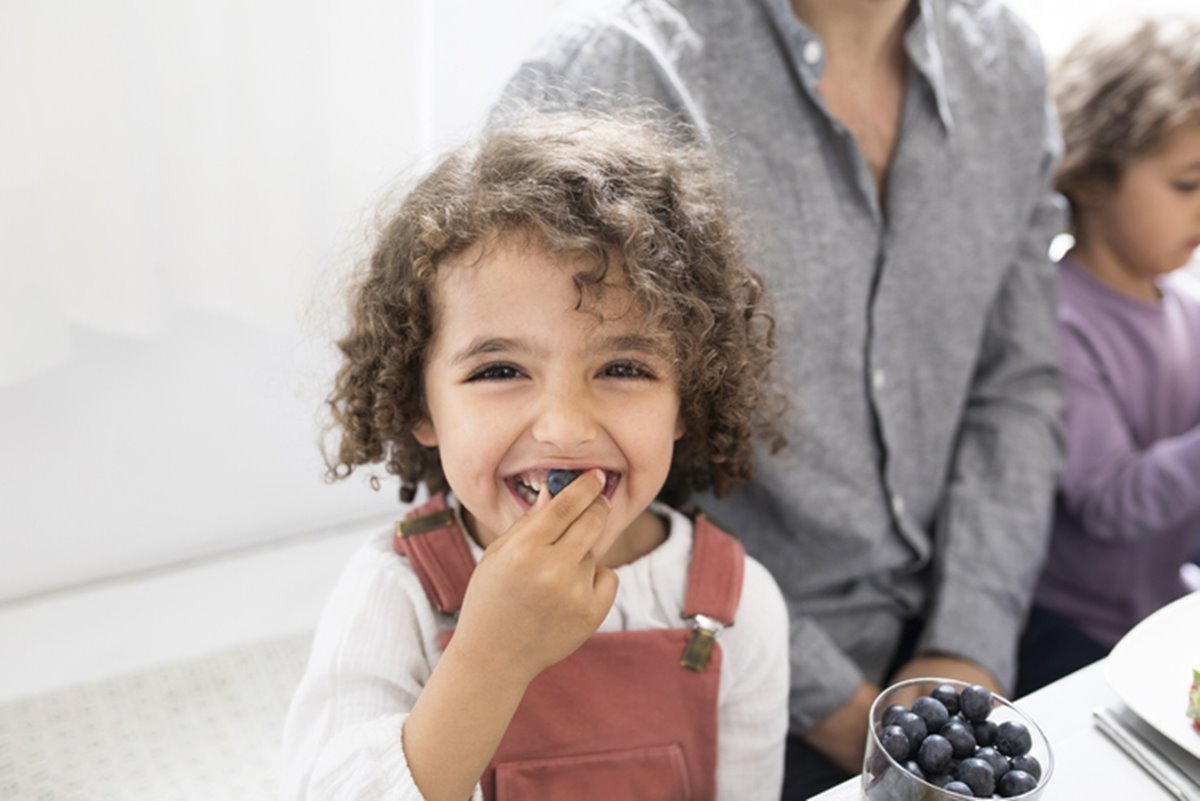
(550, 516)
(565, 509)
(582, 535)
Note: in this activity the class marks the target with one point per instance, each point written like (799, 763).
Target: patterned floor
(204, 729)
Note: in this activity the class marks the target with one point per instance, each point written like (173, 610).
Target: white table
(1087, 765)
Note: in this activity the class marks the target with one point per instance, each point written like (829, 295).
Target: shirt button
(879, 379)
(898, 505)
(812, 52)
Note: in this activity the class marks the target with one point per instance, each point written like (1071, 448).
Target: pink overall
(628, 715)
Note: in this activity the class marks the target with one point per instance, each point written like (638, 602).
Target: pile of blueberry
(947, 740)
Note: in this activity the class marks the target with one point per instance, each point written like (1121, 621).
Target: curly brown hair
(1120, 91)
(607, 189)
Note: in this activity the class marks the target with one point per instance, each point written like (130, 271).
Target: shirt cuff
(970, 623)
(823, 677)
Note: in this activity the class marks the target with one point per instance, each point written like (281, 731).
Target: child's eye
(495, 372)
(627, 370)
(1186, 187)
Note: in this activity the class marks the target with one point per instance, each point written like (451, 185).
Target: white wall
(1060, 22)
(170, 415)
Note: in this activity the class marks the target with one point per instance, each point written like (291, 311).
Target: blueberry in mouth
(557, 479)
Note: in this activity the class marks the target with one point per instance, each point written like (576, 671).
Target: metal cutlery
(1171, 778)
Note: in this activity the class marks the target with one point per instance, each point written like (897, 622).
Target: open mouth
(528, 485)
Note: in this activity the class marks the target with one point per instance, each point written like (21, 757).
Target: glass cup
(885, 779)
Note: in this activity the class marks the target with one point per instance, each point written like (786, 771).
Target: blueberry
(985, 732)
(1012, 738)
(934, 754)
(1027, 763)
(914, 726)
(961, 738)
(895, 742)
(977, 775)
(994, 758)
(975, 703)
(889, 714)
(957, 787)
(932, 711)
(939, 779)
(557, 479)
(948, 696)
(915, 769)
(1015, 782)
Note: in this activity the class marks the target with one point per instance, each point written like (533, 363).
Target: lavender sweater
(1128, 512)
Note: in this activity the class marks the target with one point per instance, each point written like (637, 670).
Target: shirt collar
(922, 42)
(924, 45)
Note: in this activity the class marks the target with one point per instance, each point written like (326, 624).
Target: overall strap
(433, 542)
(714, 590)
(715, 576)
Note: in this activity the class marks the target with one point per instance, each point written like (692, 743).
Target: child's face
(1150, 222)
(518, 382)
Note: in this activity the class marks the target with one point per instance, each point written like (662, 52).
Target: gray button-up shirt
(916, 337)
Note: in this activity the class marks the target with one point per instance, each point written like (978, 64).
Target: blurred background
(183, 187)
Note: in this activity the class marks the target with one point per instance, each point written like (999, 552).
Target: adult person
(893, 158)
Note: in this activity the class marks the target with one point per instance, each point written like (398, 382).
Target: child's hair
(624, 190)
(1120, 92)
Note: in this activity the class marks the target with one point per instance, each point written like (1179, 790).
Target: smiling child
(565, 295)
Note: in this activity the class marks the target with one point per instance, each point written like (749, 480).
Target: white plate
(1151, 669)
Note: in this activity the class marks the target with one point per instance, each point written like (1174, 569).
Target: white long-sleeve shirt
(376, 646)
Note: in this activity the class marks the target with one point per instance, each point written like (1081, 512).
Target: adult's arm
(993, 525)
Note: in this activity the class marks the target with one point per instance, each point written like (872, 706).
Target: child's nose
(565, 419)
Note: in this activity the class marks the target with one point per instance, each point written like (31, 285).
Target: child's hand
(538, 592)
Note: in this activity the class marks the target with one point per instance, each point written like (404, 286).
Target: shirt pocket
(657, 772)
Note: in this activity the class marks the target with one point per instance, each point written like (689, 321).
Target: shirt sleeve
(752, 715)
(1118, 491)
(373, 651)
(993, 525)
(602, 64)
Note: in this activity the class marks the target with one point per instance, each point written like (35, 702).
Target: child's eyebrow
(485, 345)
(638, 343)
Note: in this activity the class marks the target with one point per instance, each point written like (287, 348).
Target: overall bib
(629, 715)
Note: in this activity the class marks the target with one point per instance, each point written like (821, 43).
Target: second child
(1128, 512)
